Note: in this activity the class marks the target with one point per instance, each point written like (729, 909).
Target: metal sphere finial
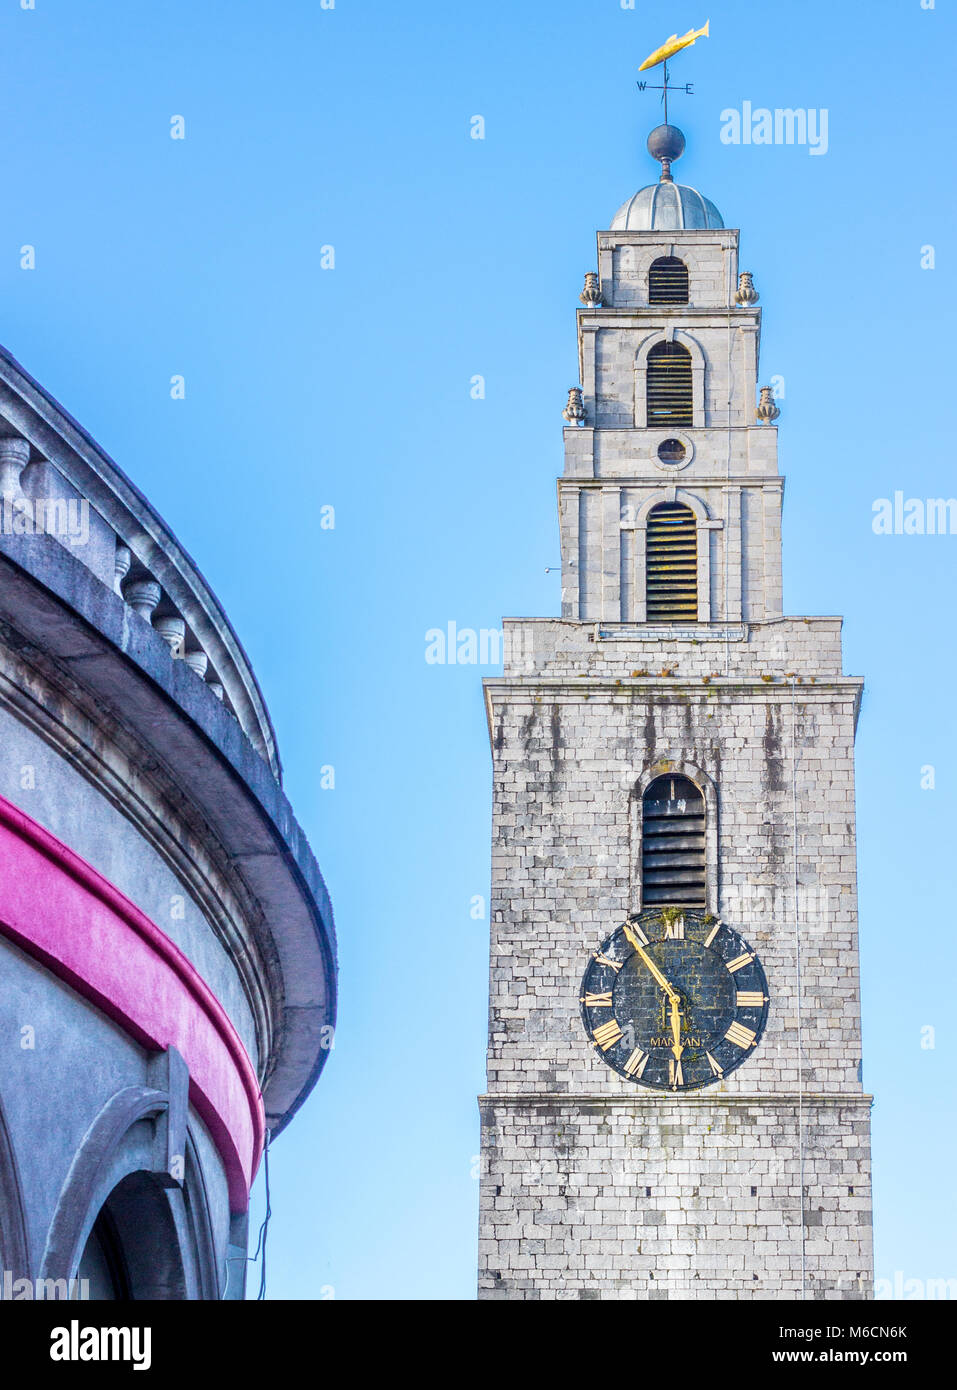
(666, 143)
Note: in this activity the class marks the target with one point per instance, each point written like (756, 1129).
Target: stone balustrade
(144, 595)
(131, 580)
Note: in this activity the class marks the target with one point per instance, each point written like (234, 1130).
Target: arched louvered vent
(668, 281)
(672, 843)
(671, 564)
(670, 394)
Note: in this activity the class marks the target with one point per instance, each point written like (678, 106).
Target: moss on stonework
(670, 915)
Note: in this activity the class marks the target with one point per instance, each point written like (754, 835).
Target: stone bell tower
(673, 753)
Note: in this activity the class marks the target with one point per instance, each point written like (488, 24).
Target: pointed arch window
(133, 1251)
(669, 386)
(668, 281)
(103, 1264)
(673, 843)
(671, 564)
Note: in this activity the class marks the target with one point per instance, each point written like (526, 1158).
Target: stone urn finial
(574, 411)
(14, 457)
(172, 628)
(143, 596)
(767, 410)
(591, 295)
(121, 566)
(747, 294)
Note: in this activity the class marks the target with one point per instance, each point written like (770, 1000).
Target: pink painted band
(61, 911)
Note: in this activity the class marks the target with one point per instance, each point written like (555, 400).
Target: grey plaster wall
(61, 1062)
(64, 801)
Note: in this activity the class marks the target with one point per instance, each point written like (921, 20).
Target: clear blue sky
(350, 387)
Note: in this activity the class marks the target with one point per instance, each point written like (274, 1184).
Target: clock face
(674, 999)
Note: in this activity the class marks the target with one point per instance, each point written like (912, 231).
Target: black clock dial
(674, 999)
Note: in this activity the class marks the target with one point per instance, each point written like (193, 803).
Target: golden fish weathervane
(674, 45)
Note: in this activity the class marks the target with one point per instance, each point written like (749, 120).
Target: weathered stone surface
(593, 1187)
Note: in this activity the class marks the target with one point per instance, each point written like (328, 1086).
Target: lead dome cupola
(666, 206)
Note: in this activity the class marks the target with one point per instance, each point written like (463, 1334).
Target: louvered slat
(670, 394)
(668, 281)
(673, 843)
(671, 564)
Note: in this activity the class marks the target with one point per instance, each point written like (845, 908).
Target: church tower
(674, 1105)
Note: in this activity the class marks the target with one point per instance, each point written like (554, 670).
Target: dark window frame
(671, 564)
(669, 386)
(674, 843)
(668, 281)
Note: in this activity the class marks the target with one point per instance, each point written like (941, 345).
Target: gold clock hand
(631, 937)
(671, 993)
(677, 1049)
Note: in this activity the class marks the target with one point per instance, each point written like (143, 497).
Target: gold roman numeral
(675, 931)
(601, 1001)
(740, 962)
(607, 960)
(750, 998)
(712, 933)
(607, 1035)
(740, 1036)
(715, 1069)
(675, 1074)
(636, 1062)
(634, 933)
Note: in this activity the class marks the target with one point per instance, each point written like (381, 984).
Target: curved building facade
(167, 945)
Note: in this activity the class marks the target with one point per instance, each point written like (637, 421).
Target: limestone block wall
(557, 649)
(723, 364)
(565, 872)
(604, 527)
(624, 259)
(657, 1198)
(566, 862)
(757, 1186)
(632, 453)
